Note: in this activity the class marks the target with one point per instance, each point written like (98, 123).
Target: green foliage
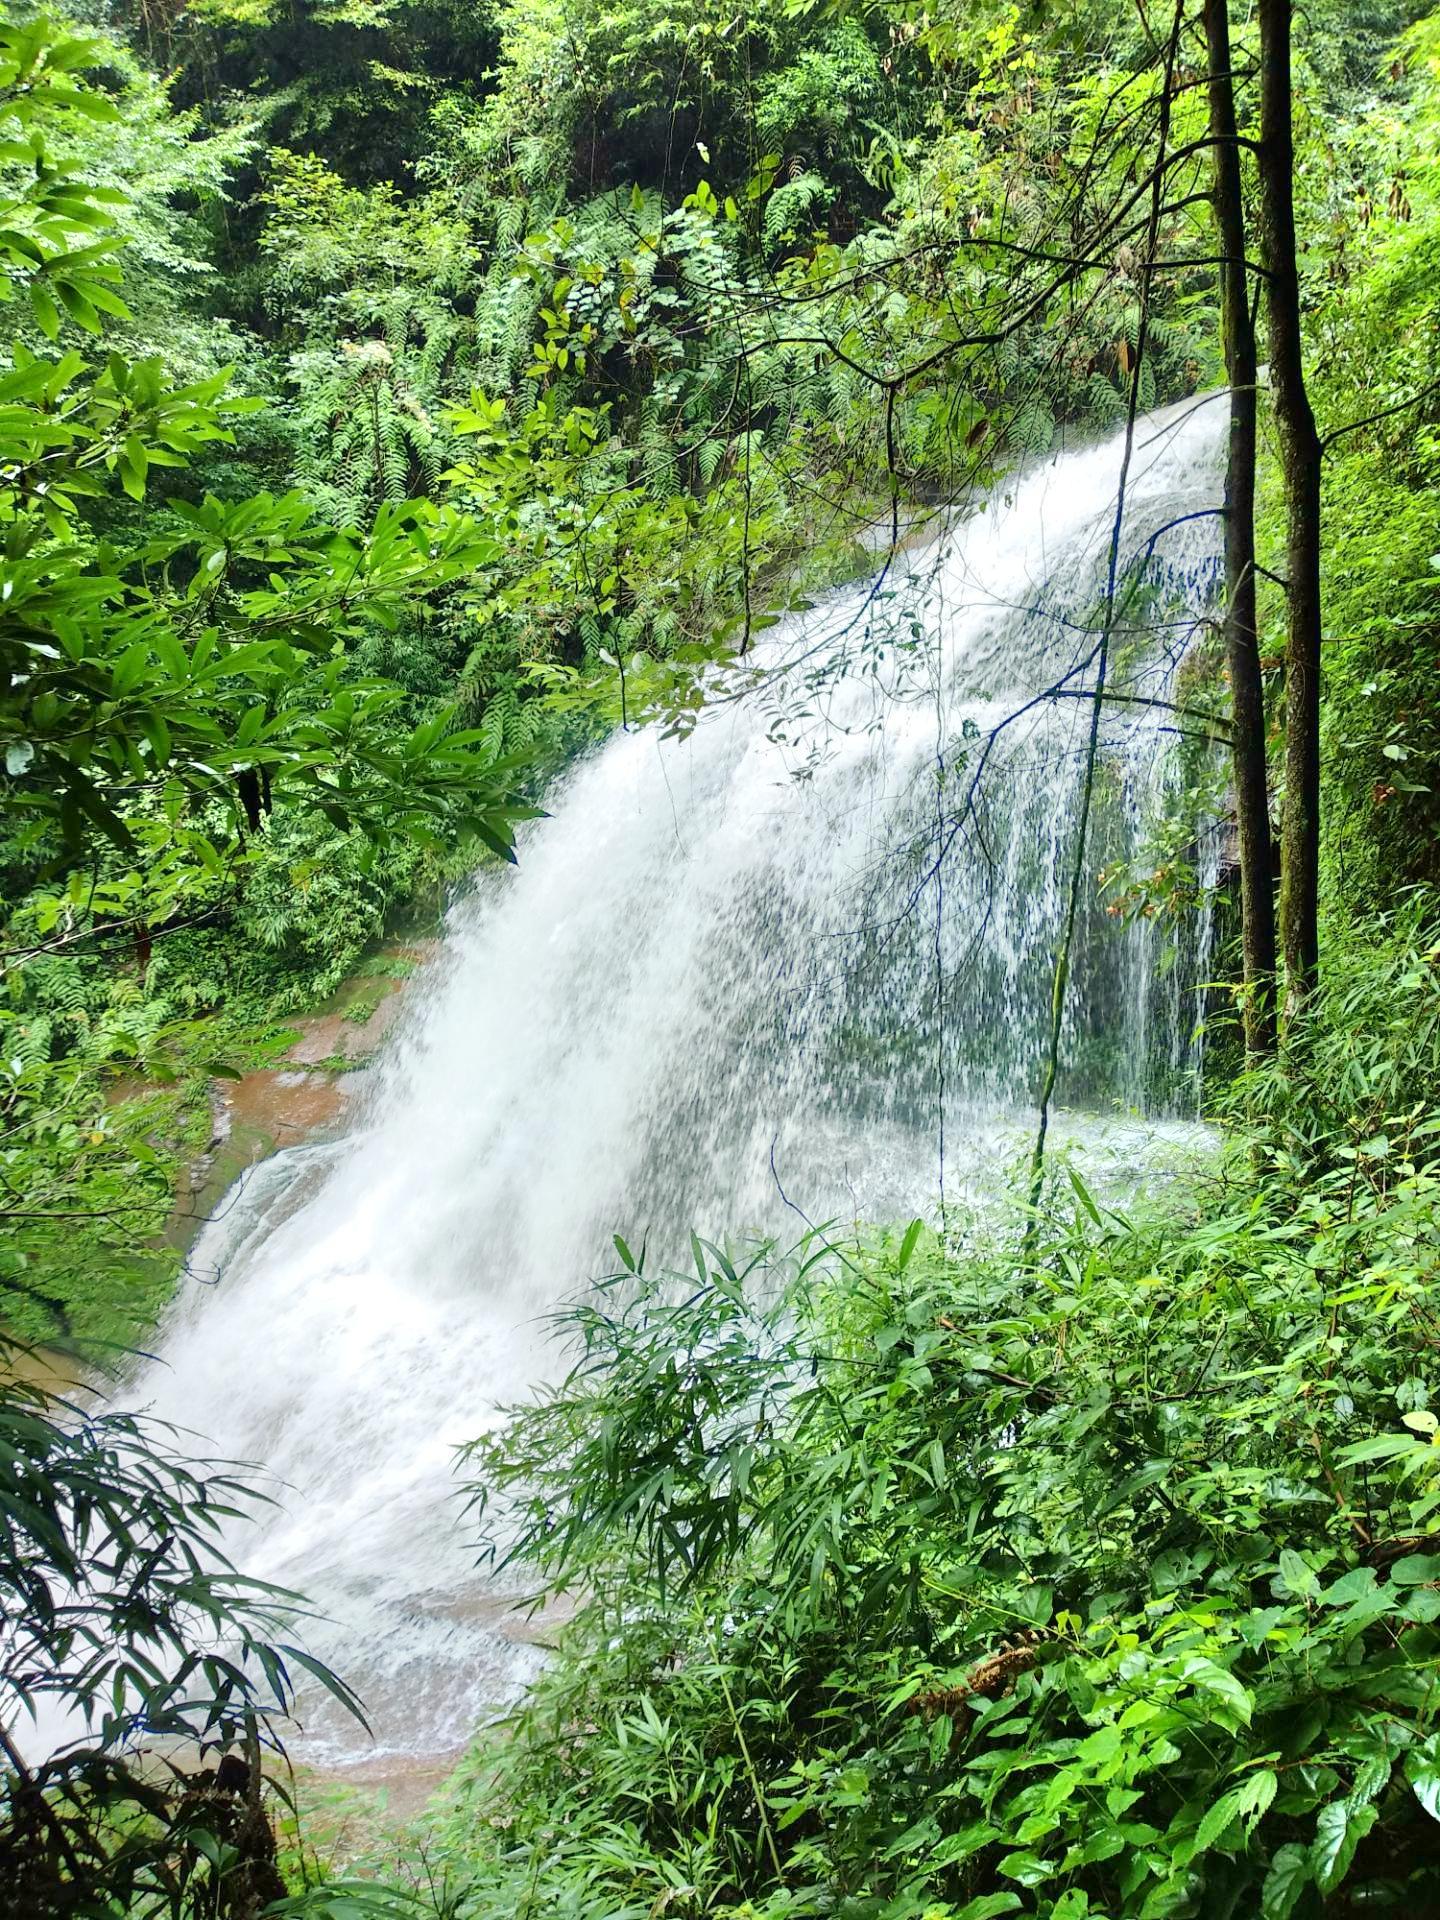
(161, 175)
(1377, 338)
(1096, 1580)
(134, 708)
(204, 667)
(313, 904)
(927, 1579)
(1363, 1063)
(647, 92)
(357, 79)
(55, 248)
(124, 1621)
(179, 715)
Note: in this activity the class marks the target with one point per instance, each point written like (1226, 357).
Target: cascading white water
(784, 946)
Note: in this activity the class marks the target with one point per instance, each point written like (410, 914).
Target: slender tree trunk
(1300, 461)
(1242, 647)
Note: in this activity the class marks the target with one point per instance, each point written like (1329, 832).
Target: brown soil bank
(298, 1094)
(305, 1094)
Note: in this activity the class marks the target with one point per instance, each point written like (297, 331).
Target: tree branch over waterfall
(1102, 652)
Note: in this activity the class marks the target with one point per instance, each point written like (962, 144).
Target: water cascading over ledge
(784, 946)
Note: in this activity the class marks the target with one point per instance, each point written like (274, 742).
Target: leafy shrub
(124, 1622)
(1098, 1579)
(1355, 1086)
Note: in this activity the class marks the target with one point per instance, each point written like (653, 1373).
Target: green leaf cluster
(924, 1577)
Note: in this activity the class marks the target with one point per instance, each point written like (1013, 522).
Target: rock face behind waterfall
(780, 952)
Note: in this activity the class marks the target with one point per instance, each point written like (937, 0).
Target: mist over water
(778, 952)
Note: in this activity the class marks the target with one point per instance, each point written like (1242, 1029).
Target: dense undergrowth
(1094, 1574)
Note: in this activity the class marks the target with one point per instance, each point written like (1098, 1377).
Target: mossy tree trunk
(1300, 454)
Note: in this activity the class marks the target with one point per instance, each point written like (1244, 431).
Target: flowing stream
(808, 948)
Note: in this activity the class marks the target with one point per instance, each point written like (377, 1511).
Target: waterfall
(773, 953)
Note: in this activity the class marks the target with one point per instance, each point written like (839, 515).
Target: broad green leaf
(47, 314)
(1422, 1770)
(130, 668)
(1215, 1680)
(1339, 1829)
(1297, 1573)
(1027, 1868)
(1289, 1875)
(1383, 1446)
(1350, 1587)
(1247, 1802)
(1415, 1568)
